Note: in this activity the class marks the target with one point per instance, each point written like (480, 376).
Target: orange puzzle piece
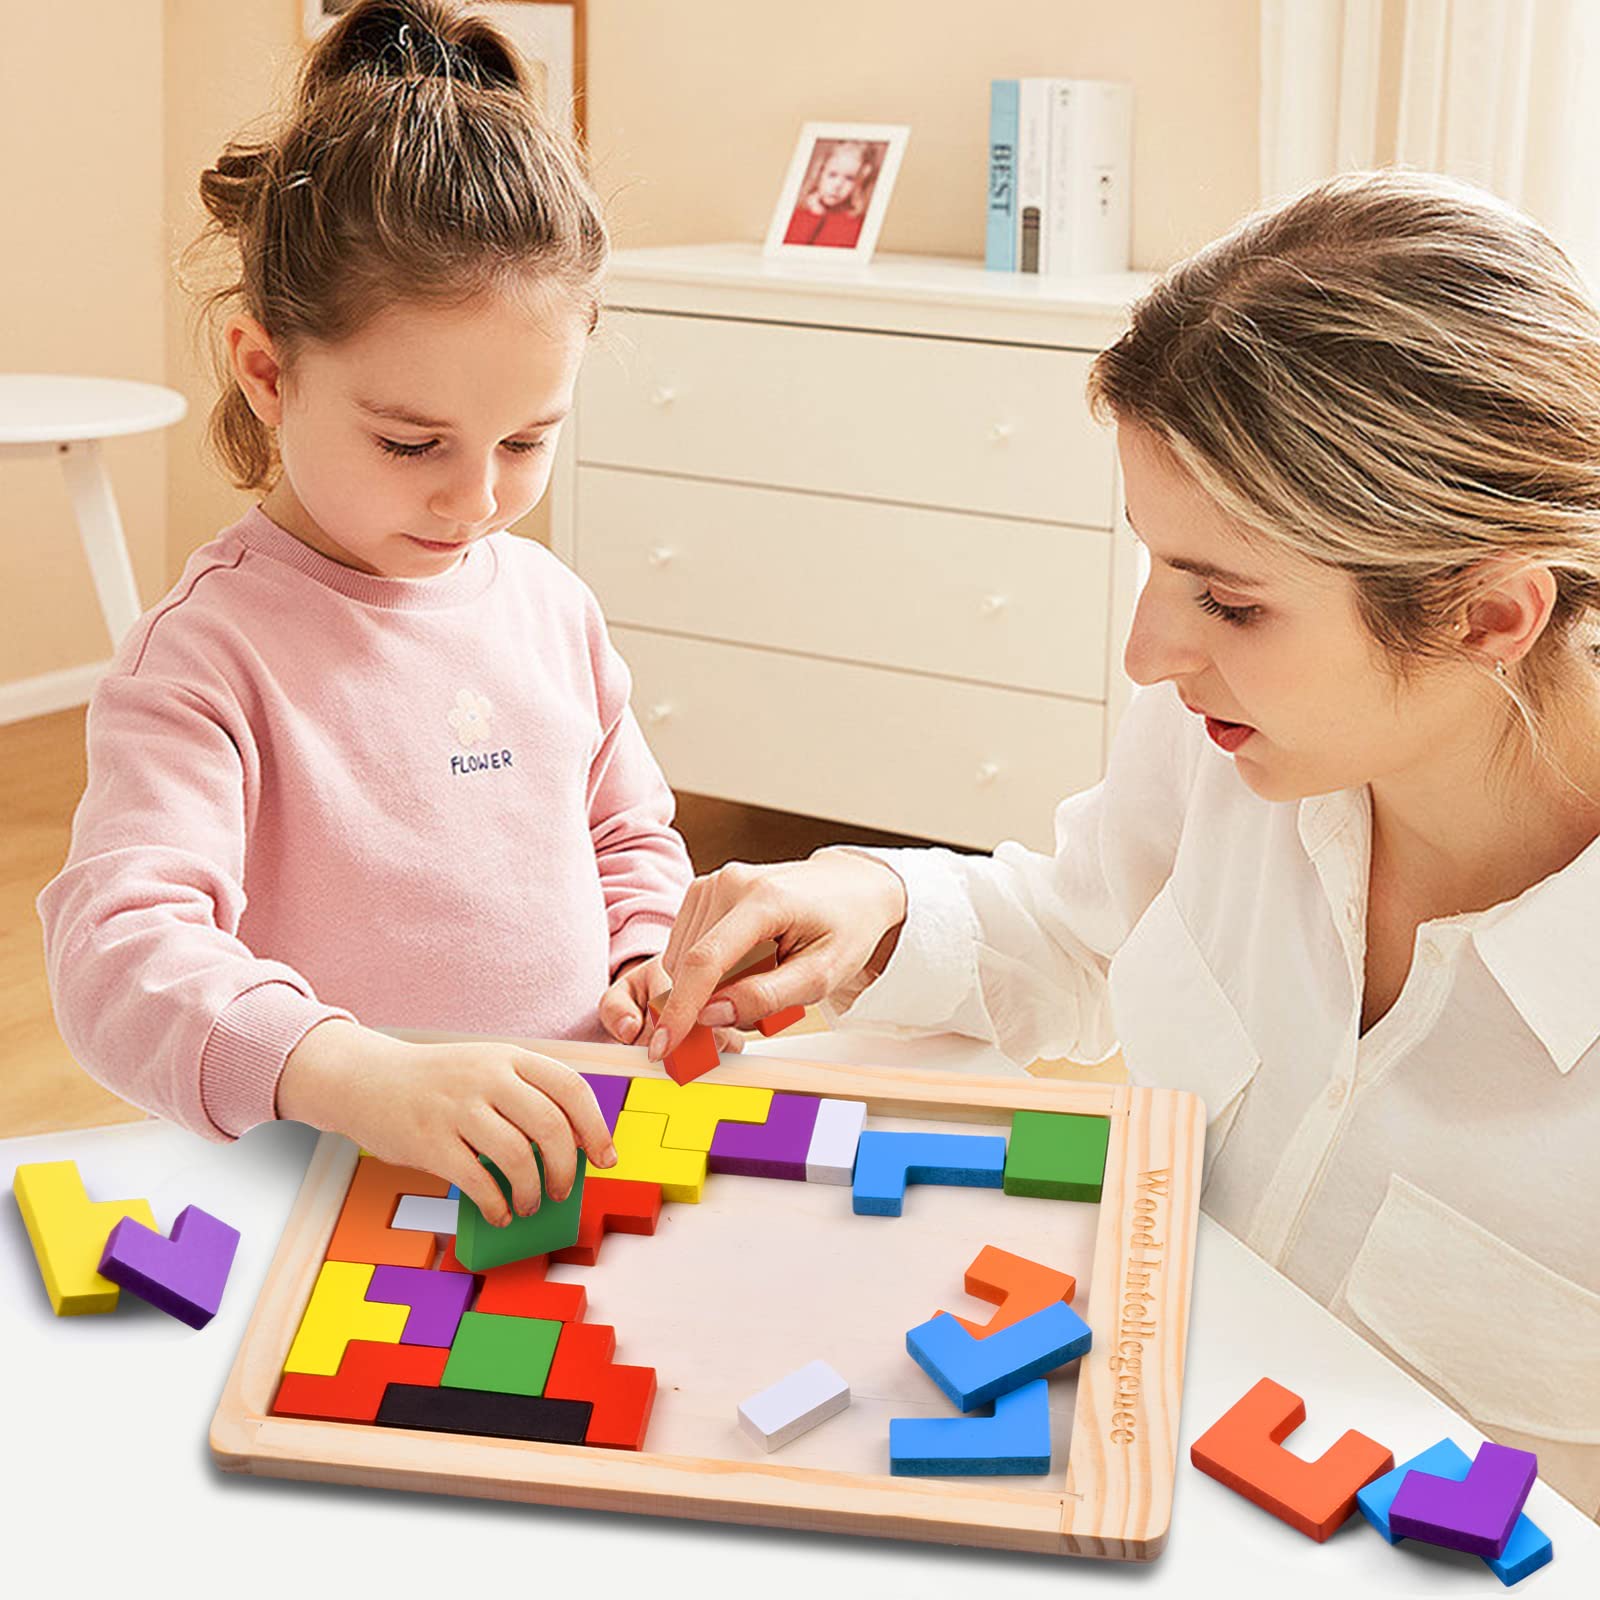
(355, 1391)
(363, 1234)
(1244, 1449)
(623, 1397)
(1018, 1286)
(611, 1205)
(779, 1020)
(519, 1289)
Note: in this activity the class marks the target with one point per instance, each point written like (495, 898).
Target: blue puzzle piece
(1015, 1439)
(973, 1370)
(1528, 1548)
(886, 1162)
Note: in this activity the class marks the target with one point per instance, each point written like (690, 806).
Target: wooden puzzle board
(764, 1275)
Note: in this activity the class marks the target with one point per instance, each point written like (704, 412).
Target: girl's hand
(624, 1007)
(834, 917)
(440, 1106)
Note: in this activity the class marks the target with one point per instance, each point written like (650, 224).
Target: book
(1000, 236)
(1088, 211)
(1033, 170)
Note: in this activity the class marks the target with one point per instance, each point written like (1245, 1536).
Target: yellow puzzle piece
(693, 1110)
(337, 1312)
(641, 1156)
(69, 1231)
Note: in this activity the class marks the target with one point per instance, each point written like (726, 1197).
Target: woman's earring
(1499, 669)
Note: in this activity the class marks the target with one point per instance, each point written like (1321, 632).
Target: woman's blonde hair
(414, 164)
(1397, 375)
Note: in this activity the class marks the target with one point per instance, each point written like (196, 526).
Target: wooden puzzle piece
(480, 1245)
(337, 1312)
(495, 1416)
(521, 1289)
(778, 1020)
(1019, 1287)
(364, 1233)
(610, 1092)
(354, 1392)
(1057, 1155)
(1244, 1449)
(68, 1232)
(831, 1155)
(972, 1371)
(1475, 1513)
(436, 1301)
(1528, 1548)
(611, 1205)
(425, 1213)
(508, 1355)
(795, 1404)
(641, 1158)
(622, 1397)
(183, 1275)
(696, 1054)
(694, 1110)
(776, 1148)
(1016, 1439)
(886, 1162)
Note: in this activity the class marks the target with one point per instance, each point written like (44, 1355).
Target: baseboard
(50, 691)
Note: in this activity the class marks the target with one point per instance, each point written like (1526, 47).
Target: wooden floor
(41, 777)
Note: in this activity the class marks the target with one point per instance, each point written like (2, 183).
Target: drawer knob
(987, 772)
(992, 604)
(999, 432)
(660, 554)
(658, 713)
(663, 395)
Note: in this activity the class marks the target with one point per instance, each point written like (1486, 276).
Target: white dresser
(856, 534)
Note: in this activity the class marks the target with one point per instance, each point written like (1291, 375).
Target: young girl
(1342, 875)
(372, 757)
(833, 207)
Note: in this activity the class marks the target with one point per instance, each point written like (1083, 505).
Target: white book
(1088, 211)
(1033, 170)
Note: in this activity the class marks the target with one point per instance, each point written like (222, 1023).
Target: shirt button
(1338, 1091)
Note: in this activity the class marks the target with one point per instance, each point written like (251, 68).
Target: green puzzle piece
(507, 1355)
(480, 1245)
(1055, 1155)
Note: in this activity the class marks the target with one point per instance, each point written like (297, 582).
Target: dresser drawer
(1021, 604)
(1000, 429)
(952, 761)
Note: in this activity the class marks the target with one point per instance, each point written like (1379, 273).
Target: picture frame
(836, 192)
(552, 34)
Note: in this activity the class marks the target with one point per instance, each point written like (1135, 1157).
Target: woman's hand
(440, 1106)
(624, 1007)
(833, 917)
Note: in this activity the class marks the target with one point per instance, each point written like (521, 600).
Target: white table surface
(56, 408)
(106, 1460)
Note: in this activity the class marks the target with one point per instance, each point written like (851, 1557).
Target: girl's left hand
(623, 1007)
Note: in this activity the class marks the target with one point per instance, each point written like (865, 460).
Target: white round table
(45, 413)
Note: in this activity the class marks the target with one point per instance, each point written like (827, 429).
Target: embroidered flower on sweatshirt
(469, 718)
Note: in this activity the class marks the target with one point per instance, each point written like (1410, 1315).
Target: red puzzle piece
(779, 1020)
(623, 1397)
(611, 1205)
(519, 1289)
(355, 1391)
(1244, 1449)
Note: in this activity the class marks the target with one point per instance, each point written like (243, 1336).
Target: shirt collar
(1542, 951)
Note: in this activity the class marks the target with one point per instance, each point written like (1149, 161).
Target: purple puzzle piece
(776, 1148)
(183, 1275)
(437, 1300)
(1476, 1513)
(610, 1090)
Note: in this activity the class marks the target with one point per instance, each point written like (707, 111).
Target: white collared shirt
(1436, 1182)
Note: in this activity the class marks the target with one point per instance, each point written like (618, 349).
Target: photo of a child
(836, 192)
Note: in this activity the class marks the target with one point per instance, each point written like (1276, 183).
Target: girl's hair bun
(412, 39)
(231, 188)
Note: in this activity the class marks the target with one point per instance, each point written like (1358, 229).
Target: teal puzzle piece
(973, 1370)
(887, 1161)
(1016, 1439)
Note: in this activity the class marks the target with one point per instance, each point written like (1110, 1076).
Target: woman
(1340, 878)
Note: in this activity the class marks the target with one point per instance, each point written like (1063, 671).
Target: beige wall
(693, 108)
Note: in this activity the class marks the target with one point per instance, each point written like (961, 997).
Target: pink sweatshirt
(314, 793)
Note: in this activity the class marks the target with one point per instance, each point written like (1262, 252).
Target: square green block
(506, 1355)
(480, 1245)
(1055, 1155)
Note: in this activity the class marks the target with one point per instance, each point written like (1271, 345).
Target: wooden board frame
(1114, 1501)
